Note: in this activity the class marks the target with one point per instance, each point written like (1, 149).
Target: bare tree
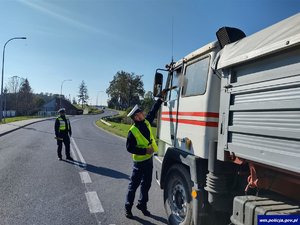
(14, 84)
(13, 87)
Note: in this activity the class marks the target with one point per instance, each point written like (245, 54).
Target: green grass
(17, 118)
(115, 128)
(119, 129)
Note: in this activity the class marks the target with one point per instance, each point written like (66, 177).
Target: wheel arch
(196, 166)
(197, 169)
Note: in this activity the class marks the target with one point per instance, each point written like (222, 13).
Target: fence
(8, 113)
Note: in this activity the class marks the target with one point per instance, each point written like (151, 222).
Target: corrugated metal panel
(261, 117)
(271, 112)
(282, 153)
(279, 123)
(293, 93)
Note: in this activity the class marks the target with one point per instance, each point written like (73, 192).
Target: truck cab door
(195, 112)
(169, 110)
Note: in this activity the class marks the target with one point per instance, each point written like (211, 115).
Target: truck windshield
(196, 78)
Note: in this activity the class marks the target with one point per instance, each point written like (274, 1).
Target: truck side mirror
(158, 81)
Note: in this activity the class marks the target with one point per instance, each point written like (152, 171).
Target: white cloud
(60, 14)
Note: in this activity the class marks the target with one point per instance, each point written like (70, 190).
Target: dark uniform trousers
(141, 174)
(66, 141)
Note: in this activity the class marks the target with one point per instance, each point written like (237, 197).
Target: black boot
(128, 212)
(70, 158)
(144, 209)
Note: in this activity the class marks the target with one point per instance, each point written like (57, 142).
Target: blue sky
(92, 40)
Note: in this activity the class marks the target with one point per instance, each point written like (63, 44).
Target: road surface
(37, 189)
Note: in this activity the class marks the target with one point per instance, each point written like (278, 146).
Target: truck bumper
(247, 208)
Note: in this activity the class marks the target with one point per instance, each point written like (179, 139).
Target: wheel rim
(178, 201)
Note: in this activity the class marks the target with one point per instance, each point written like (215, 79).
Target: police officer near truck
(141, 144)
(63, 133)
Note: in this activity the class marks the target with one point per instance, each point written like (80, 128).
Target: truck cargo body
(230, 126)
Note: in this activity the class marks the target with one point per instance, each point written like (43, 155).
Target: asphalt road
(37, 189)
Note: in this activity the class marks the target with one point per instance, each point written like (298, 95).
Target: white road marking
(76, 162)
(79, 153)
(73, 154)
(94, 203)
(85, 177)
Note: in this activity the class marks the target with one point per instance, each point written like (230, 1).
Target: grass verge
(119, 129)
(115, 128)
(17, 118)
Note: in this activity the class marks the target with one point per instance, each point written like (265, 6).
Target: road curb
(106, 123)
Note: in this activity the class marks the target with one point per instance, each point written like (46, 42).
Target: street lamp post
(1, 100)
(61, 91)
(5, 96)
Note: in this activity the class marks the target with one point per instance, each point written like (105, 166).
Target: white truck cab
(189, 116)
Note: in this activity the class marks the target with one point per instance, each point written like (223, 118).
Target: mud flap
(200, 206)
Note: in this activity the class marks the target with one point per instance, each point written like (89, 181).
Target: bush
(116, 119)
(94, 111)
(127, 120)
(121, 118)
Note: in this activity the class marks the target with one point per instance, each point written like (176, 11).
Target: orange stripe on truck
(192, 122)
(203, 114)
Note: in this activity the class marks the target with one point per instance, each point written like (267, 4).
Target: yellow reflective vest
(142, 142)
(62, 124)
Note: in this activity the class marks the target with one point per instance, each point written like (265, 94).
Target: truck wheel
(177, 196)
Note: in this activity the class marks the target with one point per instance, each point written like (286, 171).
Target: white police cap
(61, 110)
(135, 110)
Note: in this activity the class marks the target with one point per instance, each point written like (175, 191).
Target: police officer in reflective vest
(141, 144)
(63, 132)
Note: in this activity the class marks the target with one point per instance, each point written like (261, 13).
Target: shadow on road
(118, 175)
(100, 170)
(106, 172)
(145, 222)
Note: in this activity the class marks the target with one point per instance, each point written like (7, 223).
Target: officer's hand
(150, 150)
(163, 93)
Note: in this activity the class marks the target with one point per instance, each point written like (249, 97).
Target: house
(51, 108)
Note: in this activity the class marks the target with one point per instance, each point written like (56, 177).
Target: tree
(13, 86)
(38, 101)
(26, 99)
(74, 101)
(125, 90)
(83, 94)
(46, 97)
(148, 101)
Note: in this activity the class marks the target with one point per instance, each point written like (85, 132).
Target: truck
(228, 131)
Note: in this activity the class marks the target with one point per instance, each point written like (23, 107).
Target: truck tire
(177, 196)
